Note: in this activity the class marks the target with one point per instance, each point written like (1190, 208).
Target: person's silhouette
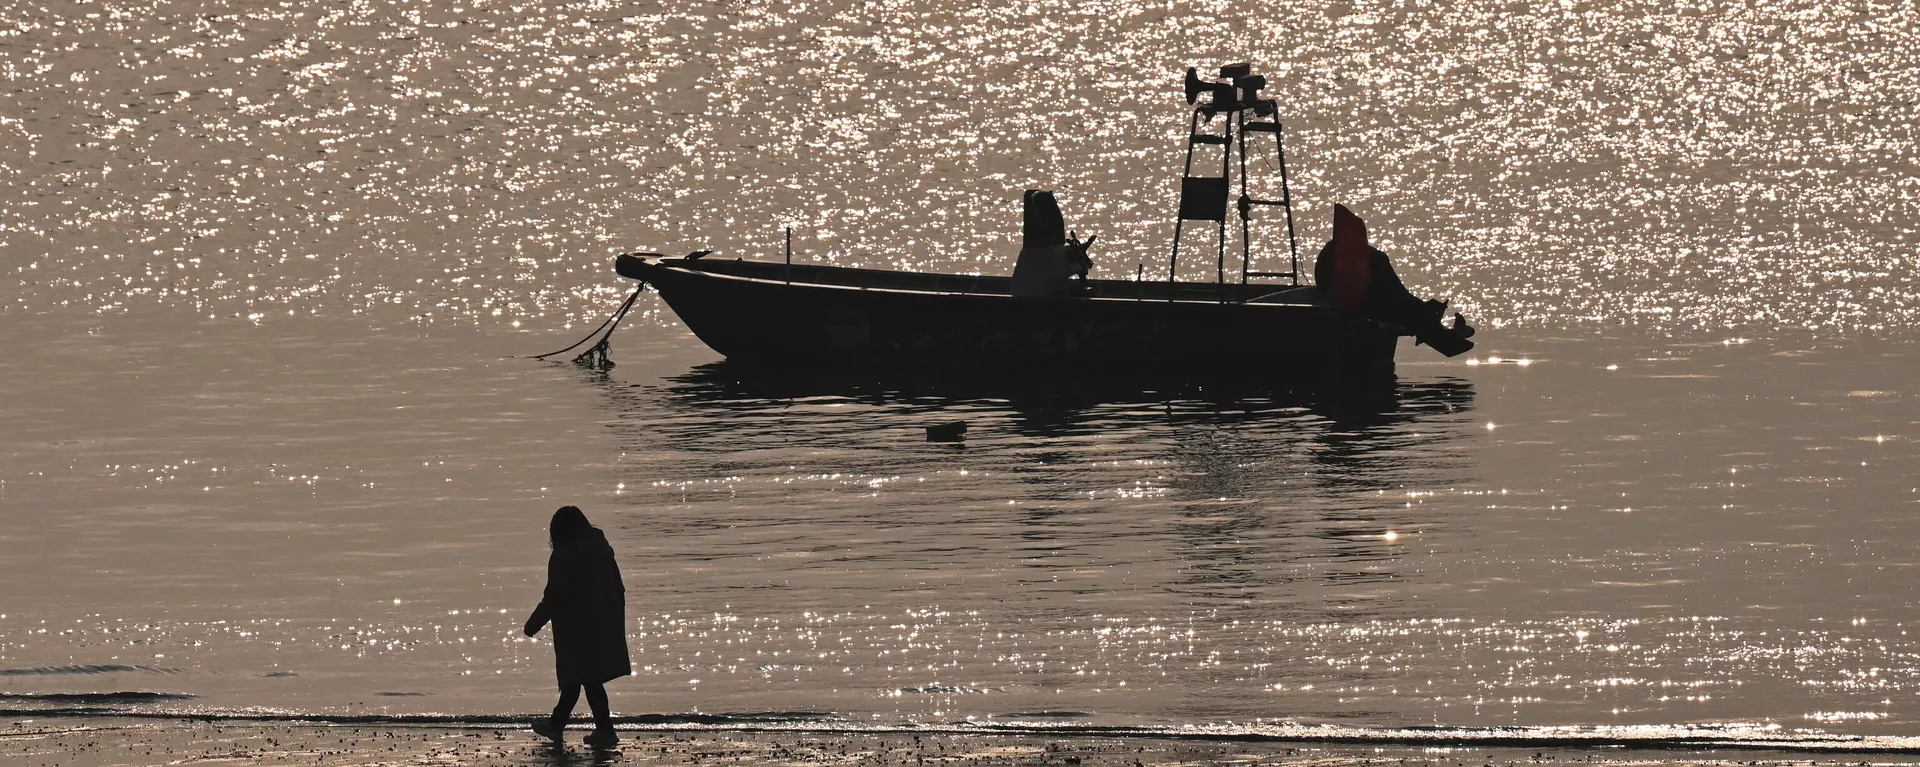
(1048, 257)
(587, 605)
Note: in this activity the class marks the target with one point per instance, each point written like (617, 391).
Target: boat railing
(970, 284)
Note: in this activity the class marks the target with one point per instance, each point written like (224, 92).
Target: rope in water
(596, 355)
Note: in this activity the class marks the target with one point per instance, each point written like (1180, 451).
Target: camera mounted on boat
(1242, 92)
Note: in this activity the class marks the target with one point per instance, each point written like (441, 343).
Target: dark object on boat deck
(1050, 259)
(698, 254)
(953, 431)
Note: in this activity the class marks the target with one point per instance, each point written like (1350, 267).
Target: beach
(52, 743)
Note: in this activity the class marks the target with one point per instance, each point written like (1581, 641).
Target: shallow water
(267, 518)
(266, 446)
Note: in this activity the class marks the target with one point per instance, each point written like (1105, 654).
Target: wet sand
(43, 743)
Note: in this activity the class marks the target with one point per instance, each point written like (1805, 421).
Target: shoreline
(123, 741)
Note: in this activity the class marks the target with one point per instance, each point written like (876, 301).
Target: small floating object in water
(953, 431)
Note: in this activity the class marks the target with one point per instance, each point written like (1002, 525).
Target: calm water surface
(266, 445)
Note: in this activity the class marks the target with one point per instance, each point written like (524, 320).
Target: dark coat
(1387, 298)
(588, 607)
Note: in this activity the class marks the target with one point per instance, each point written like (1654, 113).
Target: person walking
(587, 605)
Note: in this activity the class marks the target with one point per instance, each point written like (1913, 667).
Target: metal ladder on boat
(1204, 198)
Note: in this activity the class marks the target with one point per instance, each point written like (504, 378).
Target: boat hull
(751, 318)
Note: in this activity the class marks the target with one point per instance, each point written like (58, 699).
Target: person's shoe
(603, 738)
(545, 728)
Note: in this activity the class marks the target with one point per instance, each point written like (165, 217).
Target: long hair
(567, 523)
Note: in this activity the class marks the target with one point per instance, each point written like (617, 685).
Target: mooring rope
(596, 355)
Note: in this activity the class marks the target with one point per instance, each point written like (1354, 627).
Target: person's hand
(532, 627)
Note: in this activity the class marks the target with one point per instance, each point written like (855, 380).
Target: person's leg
(597, 700)
(562, 711)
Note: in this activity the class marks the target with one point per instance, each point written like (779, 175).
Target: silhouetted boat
(788, 314)
(763, 312)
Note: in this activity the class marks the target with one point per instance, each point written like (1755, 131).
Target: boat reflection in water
(1230, 493)
(1373, 399)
